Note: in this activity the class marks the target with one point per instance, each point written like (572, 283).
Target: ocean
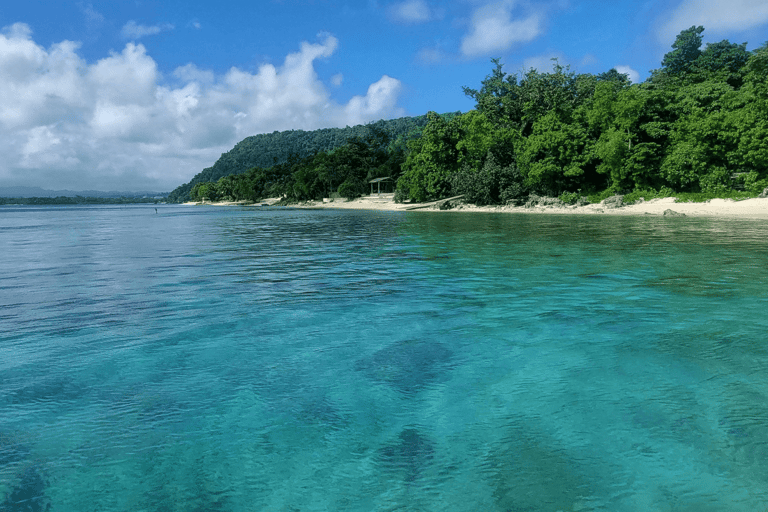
(274, 359)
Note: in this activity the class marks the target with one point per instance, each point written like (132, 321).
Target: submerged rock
(411, 453)
(673, 213)
(29, 494)
(409, 366)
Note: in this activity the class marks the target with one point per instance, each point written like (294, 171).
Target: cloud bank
(492, 29)
(715, 16)
(117, 124)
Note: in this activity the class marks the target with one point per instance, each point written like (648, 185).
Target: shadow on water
(12, 450)
(409, 366)
(28, 495)
(58, 389)
(192, 486)
(529, 475)
(320, 412)
(407, 456)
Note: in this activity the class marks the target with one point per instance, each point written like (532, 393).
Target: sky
(141, 95)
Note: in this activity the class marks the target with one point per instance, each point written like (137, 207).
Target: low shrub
(352, 188)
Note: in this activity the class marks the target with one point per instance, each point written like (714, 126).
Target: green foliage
(697, 126)
(352, 188)
(270, 149)
(348, 167)
(647, 194)
(686, 50)
(599, 196)
(703, 197)
(723, 61)
(204, 192)
(431, 160)
(754, 183)
(570, 197)
(491, 184)
(555, 155)
(518, 104)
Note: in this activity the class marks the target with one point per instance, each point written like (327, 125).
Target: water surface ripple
(275, 359)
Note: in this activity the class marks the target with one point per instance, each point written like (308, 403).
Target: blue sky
(143, 94)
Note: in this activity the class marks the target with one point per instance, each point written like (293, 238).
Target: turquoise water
(290, 360)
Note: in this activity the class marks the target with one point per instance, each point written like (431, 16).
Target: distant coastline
(78, 200)
(755, 208)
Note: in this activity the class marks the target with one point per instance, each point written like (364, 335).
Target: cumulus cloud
(411, 11)
(715, 16)
(133, 30)
(492, 29)
(117, 124)
(633, 75)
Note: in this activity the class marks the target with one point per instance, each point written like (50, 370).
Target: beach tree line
(699, 123)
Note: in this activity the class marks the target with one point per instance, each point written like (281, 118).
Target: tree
(510, 103)
(723, 61)
(555, 156)
(431, 160)
(686, 50)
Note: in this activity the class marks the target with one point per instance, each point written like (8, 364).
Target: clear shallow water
(232, 359)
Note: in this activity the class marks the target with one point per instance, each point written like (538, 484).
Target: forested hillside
(698, 125)
(269, 149)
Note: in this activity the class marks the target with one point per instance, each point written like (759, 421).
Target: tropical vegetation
(697, 126)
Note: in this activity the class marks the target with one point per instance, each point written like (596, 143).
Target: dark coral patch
(28, 495)
(409, 366)
(409, 455)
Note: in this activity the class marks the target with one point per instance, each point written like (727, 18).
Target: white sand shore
(748, 208)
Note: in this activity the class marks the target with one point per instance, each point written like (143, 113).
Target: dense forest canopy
(698, 124)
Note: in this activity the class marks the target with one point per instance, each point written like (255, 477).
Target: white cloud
(715, 16)
(543, 63)
(411, 11)
(493, 29)
(116, 125)
(191, 73)
(133, 30)
(91, 15)
(337, 80)
(431, 55)
(381, 97)
(633, 75)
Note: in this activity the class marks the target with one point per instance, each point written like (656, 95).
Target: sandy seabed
(747, 208)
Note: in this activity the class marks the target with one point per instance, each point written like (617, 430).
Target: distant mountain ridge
(268, 149)
(41, 192)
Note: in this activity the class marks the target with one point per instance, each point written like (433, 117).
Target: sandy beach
(748, 208)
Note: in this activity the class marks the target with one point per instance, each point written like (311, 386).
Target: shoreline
(755, 208)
